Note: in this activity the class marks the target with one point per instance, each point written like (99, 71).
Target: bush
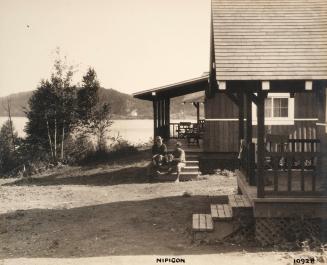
(78, 149)
(119, 149)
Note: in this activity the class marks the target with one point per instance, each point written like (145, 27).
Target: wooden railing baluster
(275, 169)
(289, 173)
(302, 161)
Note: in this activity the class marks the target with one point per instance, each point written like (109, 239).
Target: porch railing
(293, 165)
(179, 130)
(290, 166)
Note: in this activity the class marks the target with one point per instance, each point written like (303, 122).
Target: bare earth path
(111, 214)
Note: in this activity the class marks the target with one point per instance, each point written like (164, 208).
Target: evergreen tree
(94, 118)
(8, 138)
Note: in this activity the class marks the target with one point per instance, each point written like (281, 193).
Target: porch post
(321, 96)
(197, 112)
(155, 118)
(261, 143)
(167, 118)
(160, 117)
(240, 117)
(248, 111)
(250, 165)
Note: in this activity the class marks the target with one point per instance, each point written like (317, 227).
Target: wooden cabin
(265, 101)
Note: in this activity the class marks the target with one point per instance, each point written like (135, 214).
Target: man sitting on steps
(159, 151)
(179, 160)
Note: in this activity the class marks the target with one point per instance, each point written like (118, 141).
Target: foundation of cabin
(286, 219)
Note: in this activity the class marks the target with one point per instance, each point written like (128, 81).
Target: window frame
(289, 120)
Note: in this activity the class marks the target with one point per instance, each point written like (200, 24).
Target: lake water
(134, 131)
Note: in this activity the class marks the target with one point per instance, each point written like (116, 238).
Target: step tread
(239, 201)
(202, 222)
(186, 173)
(221, 211)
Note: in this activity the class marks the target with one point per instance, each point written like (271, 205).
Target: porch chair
(182, 129)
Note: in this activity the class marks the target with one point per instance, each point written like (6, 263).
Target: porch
(161, 100)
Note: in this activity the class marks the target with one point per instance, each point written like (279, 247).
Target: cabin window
(279, 109)
(276, 107)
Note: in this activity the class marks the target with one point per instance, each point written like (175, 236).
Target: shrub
(78, 149)
(117, 150)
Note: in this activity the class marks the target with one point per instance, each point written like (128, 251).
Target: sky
(132, 44)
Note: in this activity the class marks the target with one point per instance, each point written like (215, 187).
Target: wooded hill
(123, 106)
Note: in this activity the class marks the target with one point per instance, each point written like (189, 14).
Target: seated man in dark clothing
(159, 148)
(159, 151)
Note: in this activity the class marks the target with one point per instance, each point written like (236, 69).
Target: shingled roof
(270, 39)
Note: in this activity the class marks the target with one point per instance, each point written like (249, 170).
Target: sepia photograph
(163, 132)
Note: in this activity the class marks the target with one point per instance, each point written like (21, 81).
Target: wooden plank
(275, 169)
(209, 223)
(202, 222)
(228, 211)
(289, 174)
(196, 222)
(302, 174)
(295, 194)
(232, 201)
(214, 211)
(220, 211)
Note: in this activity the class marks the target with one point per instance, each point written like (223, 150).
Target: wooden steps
(240, 205)
(223, 219)
(221, 212)
(189, 172)
(192, 163)
(239, 201)
(202, 222)
(190, 169)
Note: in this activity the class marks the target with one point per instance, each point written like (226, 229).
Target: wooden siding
(221, 135)
(220, 107)
(270, 40)
(305, 106)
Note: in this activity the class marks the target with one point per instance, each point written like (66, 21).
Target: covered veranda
(193, 92)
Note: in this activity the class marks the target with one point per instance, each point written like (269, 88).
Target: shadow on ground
(128, 170)
(125, 175)
(151, 227)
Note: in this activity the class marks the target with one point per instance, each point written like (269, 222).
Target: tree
(8, 137)
(52, 110)
(7, 108)
(94, 118)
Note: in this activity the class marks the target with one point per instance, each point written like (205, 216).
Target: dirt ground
(109, 213)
